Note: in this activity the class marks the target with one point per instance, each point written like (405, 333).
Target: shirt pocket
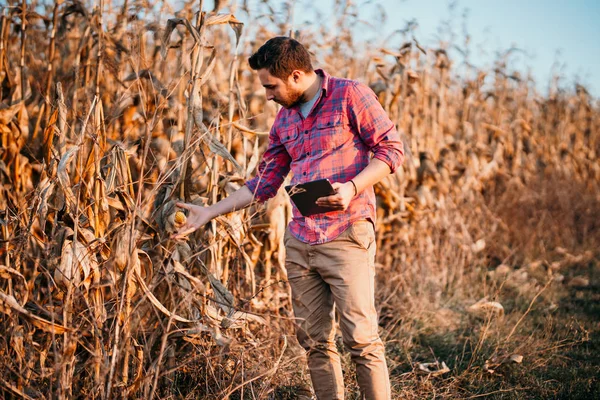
(331, 132)
(290, 140)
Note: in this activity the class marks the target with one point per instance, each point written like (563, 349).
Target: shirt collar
(325, 81)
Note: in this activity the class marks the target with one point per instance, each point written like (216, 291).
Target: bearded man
(327, 128)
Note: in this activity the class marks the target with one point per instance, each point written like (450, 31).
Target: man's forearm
(375, 171)
(236, 201)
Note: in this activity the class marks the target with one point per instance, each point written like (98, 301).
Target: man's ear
(296, 75)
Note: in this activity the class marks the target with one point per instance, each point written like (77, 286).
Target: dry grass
(108, 117)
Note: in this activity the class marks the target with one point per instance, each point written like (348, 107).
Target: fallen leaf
(579, 281)
(516, 358)
(434, 368)
(484, 308)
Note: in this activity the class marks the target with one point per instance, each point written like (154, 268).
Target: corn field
(112, 113)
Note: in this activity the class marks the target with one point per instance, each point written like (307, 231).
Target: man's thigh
(312, 299)
(347, 265)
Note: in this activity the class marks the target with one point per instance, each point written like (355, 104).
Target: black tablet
(304, 196)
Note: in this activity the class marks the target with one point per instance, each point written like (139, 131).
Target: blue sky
(555, 35)
(559, 34)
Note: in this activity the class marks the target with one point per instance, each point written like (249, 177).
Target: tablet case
(304, 196)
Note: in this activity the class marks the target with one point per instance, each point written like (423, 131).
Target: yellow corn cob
(180, 218)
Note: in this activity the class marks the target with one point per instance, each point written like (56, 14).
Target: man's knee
(314, 344)
(371, 347)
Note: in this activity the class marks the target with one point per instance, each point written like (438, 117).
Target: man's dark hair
(281, 55)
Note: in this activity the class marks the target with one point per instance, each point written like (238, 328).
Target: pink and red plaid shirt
(334, 142)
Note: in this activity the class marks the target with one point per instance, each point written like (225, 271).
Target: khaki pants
(339, 274)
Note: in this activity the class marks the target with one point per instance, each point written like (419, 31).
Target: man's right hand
(198, 216)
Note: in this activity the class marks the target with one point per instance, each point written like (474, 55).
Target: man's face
(285, 92)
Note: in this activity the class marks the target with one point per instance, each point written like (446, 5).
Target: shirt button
(306, 132)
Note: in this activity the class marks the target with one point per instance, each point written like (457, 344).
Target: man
(327, 128)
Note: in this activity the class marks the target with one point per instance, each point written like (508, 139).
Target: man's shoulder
(347, 86)
(338, 85)
(336, 82)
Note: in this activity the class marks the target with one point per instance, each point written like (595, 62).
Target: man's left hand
(344, 192)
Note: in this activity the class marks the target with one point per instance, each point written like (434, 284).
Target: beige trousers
(338, 275)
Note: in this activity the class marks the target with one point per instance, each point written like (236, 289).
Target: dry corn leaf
(171, 24)
(63, 177)
(241, 316)
(15, 389)
(219, 338)
(115, 203)
(45, 190)
(413, 77)
(493, 128)
(145, 268)
(49, 137)
(212, 61)
(236, 320)
(180, 269)
(224, 298)
(146, 74)
(7, 113)
(235, 24)
(248, 131)
(7, 272)
(182, 252)
(75, 272)
(218, 148)
(234, 227)
(8, 303)
(156, 303)
(120, 246)
(62, 120)
(101, 215)
(118, 175)
(16, 342)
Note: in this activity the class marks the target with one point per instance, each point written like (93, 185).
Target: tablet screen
(304, 196)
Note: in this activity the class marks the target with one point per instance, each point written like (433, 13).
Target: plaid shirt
(335, 141)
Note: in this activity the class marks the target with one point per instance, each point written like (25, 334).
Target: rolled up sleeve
(374, 126)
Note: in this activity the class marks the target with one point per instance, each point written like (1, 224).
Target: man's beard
(293, 98)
